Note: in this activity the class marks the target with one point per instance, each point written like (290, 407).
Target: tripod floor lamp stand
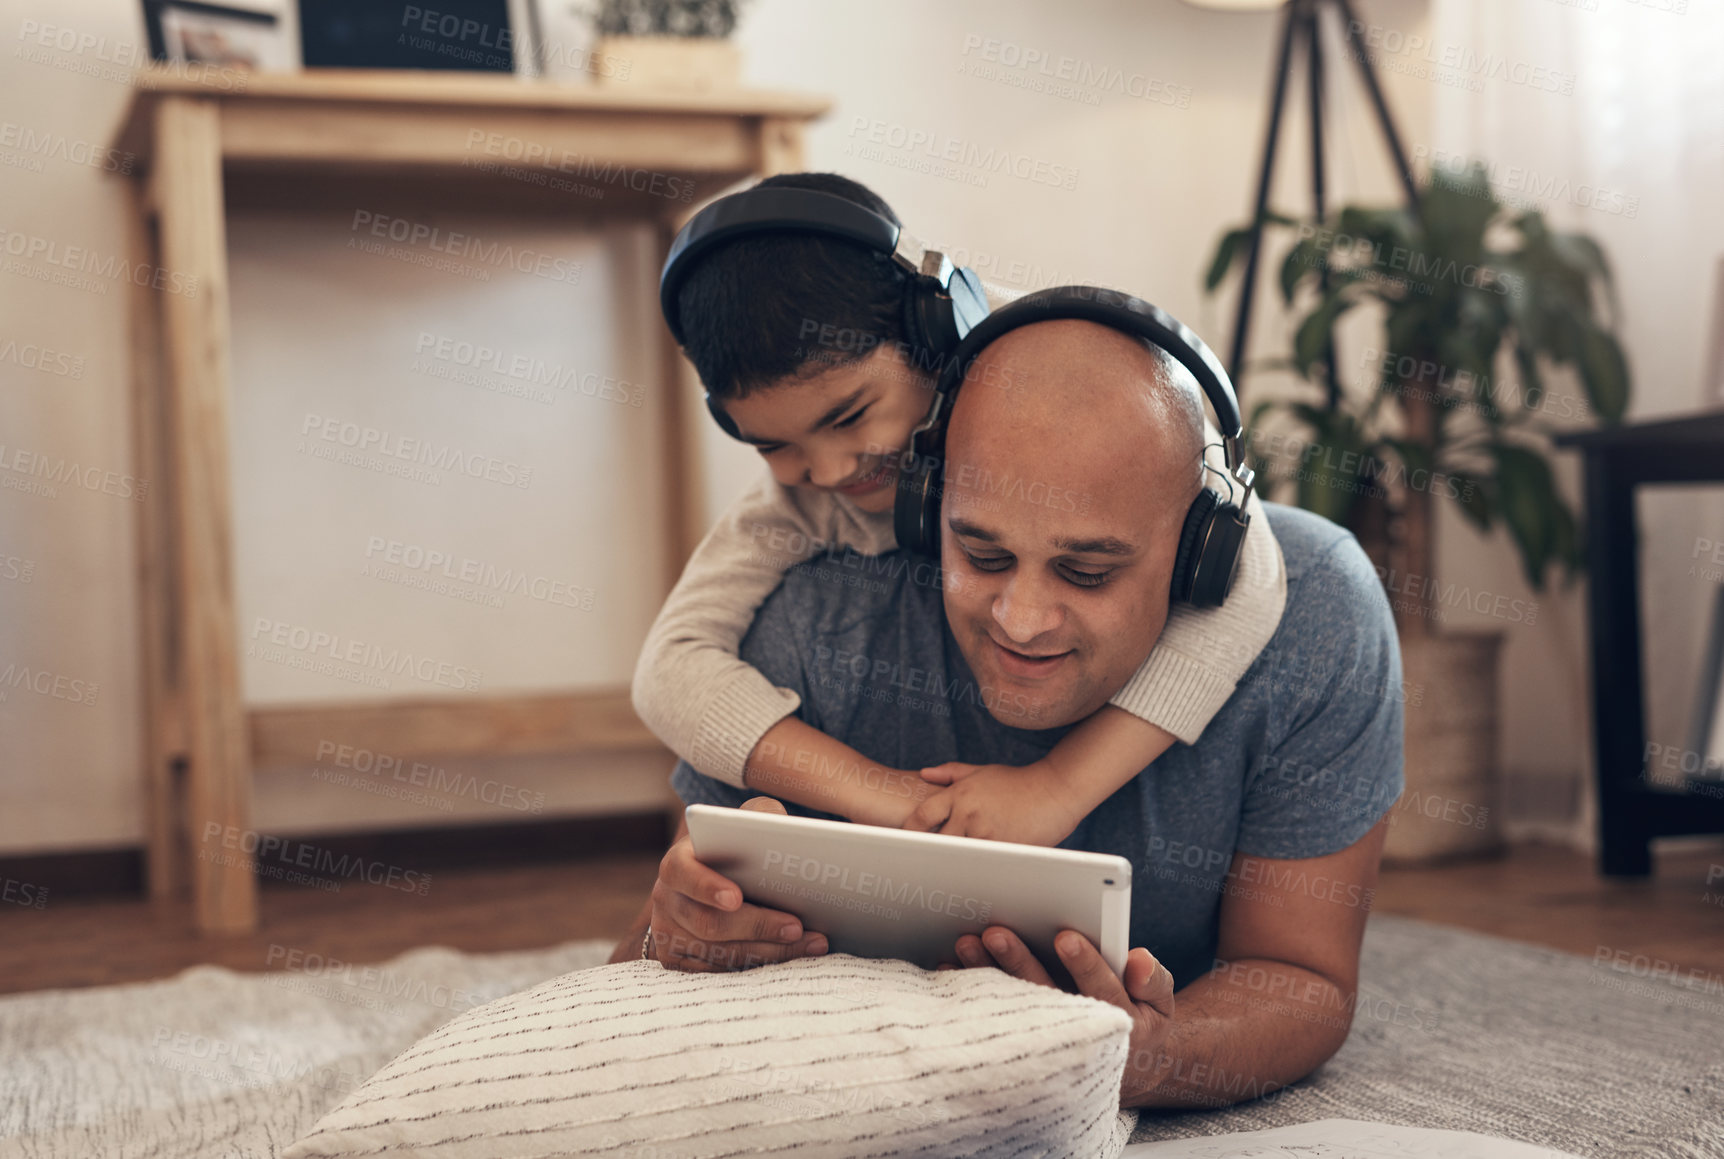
(1301, 24)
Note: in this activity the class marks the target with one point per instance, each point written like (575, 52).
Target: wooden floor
(1554, 897)
(1536, 894)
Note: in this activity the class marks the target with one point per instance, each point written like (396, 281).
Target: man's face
(1064, 499)
(840, 430)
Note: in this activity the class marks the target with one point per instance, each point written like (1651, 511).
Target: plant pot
(676, 63)
(1449, 808)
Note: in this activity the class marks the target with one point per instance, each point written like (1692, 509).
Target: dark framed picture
(470, 35)
(221, 35)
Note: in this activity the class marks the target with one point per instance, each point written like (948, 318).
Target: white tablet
(892, 893)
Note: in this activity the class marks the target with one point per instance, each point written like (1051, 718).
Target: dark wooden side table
(1631, 810)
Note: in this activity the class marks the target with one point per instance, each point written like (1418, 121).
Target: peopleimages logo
(876, 886)
(35, 464)
(374, 447)
(876, 680)
(31, 356)
(44, 682)
(460, 245)
(70, 262)
(339, 649)
(266, 848)
(494, 581)
(34, 146)
(1415, 267)
(1068, 77)
(941, 147)
(529, 369)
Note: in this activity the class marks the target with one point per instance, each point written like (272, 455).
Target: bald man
(1254, 851)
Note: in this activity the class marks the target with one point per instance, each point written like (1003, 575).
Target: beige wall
(321, 329)
(326, 333)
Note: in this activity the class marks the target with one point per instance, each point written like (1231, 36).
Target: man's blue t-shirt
(1300, 762)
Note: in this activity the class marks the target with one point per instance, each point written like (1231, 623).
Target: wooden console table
(325, 138)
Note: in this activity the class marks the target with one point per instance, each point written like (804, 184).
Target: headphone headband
(1214, 529)
(778, 209)
(941, 302)
(1118, 311)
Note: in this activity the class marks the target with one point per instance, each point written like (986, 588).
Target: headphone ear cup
(916, 512)
(934, 318)
(1218, 561)
(1191, 538)
(722, 417)
(919, 329)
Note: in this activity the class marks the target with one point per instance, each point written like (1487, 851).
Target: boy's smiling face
(841, 429)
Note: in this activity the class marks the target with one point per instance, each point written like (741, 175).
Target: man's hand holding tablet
(701, 923)
(1145, 992)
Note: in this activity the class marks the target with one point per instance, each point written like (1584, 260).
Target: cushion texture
(828, 1056)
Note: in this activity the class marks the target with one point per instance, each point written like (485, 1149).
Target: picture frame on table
(497, 36)
(218, 35)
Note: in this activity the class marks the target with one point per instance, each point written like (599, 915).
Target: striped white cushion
(828, 1056)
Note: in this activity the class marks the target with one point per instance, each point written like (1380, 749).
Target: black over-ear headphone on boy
(941, 302)
(1214, 530)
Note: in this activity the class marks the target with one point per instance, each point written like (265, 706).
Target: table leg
(780, 145)
(678, 440)
(188, 197)
(163, 728)
(1618, 710)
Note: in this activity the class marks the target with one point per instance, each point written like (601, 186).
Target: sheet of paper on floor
(1342, 1139)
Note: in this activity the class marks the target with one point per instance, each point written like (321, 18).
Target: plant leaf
(1604, 370)
(1472, 496)
(1527, 499)
(1565, 540)
(1312, 340)
(1532, 383)
(1303, 260)
(1225, 252)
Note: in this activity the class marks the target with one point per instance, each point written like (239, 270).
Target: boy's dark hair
(763, 308)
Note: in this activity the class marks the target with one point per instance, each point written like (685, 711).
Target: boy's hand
(997, 803)
(952, 772)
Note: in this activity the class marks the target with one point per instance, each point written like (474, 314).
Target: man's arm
(1279, 1001)
(1277, 1005)
(1280, 998)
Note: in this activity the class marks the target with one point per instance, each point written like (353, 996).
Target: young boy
(831, 421)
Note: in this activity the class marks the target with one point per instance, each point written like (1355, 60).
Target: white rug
(1454, 1030)
(223, 1065)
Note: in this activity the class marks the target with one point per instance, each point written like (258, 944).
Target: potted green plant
(1481, 306)
(675, 44)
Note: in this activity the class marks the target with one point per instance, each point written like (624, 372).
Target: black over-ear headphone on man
(941, 302)
(1214, 530)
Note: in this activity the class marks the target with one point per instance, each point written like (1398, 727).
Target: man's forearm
(796, 762)
(1239, 1032)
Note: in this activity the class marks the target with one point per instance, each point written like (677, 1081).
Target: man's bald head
(1080, 391)
(1073, 453)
